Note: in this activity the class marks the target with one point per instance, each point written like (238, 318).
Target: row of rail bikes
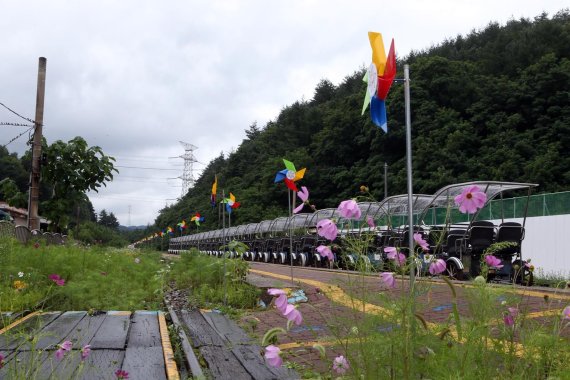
(461, 240)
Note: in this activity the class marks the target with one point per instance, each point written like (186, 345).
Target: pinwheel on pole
(197, 219)
(181, 226)
(290, 175)
(231, 204)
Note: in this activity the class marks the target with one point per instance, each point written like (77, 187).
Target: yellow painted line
(170, 363)
(18, 321)
(544, 313)
(119, 312)
(289, 346)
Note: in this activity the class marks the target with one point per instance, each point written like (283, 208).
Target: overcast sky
(137, 77)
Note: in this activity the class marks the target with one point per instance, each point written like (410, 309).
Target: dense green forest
(492, 105)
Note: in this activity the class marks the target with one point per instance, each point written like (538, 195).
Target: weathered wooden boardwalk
(136, 342)
(228, 351)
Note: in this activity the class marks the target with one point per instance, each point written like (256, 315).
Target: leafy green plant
(95, 278)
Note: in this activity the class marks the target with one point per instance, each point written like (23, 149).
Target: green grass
(95, 278)
(204, 276)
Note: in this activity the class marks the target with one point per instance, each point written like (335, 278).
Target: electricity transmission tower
(188, 174)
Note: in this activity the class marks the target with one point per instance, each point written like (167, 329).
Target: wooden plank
(4, 371)
(222, 364)
(199, 330)
(144, 331)
(227, 329)
(144, 363)
(66, 367)
(19, 334)
(113, 332)
(195, 368)
(101, 365)
(56, 331)
(25, 364)
(85, 330)
(250, 357)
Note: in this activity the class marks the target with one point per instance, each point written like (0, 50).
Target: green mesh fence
(538, 205)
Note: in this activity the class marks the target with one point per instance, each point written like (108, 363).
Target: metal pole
(289, 192)
(409, 170)
(223, 246)
(33, 200)
(385, 180)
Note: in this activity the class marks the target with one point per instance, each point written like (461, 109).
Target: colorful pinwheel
(230, 203)
(169, 231)
(380, 76)
(290, 175)
(197, 219)
(182, 225)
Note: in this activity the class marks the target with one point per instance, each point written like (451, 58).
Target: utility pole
(33, 217)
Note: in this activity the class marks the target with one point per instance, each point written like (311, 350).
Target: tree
(72, 169)
(108, 219)
(11, 194)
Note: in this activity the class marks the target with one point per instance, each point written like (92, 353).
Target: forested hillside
(491, 105)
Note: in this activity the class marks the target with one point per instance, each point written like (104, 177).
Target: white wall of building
(547, 243)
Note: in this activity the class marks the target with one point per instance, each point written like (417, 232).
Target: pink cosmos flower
(85, 351)
(437, 267)
(121, 374)
(36, 245)
(493, 262)
(272, 355)
(63, 348)
(293, 314)
(327, 229)
(388, 279)
(391, 252)
(325, 251)
(421, 242)
(281, 301)
(400, 259)
(510, 316)
(470, 199)
(566, 313)
(303, 196)
(58, 280)
(340, 365)
(370, 222)
(349, 209)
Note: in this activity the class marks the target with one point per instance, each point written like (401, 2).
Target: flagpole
(409, 170)
(224, 248)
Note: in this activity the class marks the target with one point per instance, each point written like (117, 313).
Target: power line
(16, 113)
(16, 124)
(138, 167)
(17, 137)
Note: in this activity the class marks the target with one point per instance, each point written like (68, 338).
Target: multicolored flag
(214, 191)
(379, 77)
